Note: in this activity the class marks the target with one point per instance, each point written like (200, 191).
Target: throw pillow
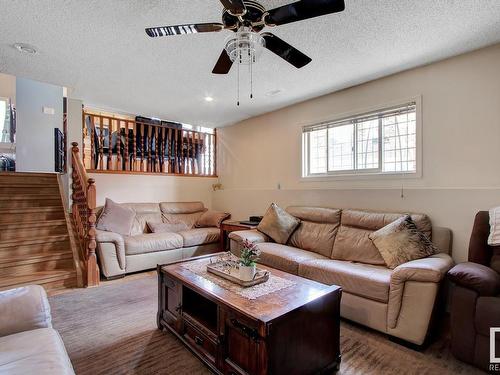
(400, 242)
(278, 224)
(211, 219)
(167, 227)
(116, 218)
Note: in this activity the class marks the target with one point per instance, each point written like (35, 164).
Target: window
(379, 142)
(5, 122)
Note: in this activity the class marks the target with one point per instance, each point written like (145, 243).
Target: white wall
(34, 129)
(149, 188)
(461, 149)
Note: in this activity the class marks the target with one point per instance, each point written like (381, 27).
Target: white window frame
(376, 173)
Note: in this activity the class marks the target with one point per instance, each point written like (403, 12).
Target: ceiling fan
(247, 18)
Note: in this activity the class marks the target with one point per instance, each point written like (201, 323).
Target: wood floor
(35, 246)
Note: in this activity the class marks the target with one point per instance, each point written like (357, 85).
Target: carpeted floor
(112, 330)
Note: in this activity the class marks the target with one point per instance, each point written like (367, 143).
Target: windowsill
(363, 176)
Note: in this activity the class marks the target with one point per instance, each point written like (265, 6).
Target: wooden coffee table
(291, 331)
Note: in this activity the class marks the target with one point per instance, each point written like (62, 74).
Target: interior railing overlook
(114, 145)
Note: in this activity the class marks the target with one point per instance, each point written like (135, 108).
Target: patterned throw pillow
(401, 241)
(278, 224)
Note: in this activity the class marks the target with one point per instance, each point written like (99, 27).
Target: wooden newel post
(92, 269)
(84, 215)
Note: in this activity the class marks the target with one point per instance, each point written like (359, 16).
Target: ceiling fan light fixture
(245, 46)
(209, 99)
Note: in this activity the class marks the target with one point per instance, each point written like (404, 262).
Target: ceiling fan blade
(302, 10)
(223, 65)
(285, 50)
(235, 7)
(194, 28)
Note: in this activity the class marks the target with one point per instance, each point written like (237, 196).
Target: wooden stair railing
(84, 216)
(125, 146)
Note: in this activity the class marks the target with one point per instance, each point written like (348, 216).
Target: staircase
(35, 246)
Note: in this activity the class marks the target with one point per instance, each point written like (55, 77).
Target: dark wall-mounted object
(59, 150)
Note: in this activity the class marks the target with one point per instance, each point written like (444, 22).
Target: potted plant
(249, 255)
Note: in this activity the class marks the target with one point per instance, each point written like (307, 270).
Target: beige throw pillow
(211, 219)
(400, 242)
(167, 227)
(116, 218)
(278, 224)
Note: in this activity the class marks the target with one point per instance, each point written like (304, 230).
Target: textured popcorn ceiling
(99, 50)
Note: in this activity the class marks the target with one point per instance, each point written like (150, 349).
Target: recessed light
(209, 99)
(26, 48)
(274, 92)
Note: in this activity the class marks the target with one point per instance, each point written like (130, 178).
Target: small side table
(229, 226)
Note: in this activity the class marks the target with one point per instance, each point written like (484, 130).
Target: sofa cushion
(23, 309)
(181, 207)
(40, 352)
(200, 236)
(495, 259)
(317, 229)
(400, 242)
(151, 242)
(211, 219)
(278, 224)
(283, 257)
(185, 212)
(116, 218)
(166, 227)
(352, 242)
(144, 212)
(364, 280)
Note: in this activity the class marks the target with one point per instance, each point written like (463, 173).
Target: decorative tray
(227, 267)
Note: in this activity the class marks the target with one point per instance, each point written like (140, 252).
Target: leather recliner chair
(475, 303)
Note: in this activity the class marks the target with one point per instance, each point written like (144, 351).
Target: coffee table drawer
(202, 343)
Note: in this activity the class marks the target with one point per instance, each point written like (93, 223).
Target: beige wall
(8, 87)
(150, 188)
(461, 148)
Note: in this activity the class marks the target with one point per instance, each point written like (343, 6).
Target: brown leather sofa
(142, 250)
(475, 302)
(331, 246)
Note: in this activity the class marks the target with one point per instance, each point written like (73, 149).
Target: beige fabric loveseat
(331, 246)
(28, 343)
(142, 250)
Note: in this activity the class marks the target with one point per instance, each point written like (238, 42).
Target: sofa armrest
(104, 237)
(426, 270)
(475, 276)
(24, 309)
(252, 235)
(430, 269)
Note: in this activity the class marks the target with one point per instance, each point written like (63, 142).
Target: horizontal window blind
(369, 116)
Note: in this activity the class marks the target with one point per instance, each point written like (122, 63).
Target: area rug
(111, 329)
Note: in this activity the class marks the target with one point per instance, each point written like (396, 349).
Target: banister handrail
(84, 215)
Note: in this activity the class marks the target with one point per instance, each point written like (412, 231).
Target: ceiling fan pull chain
(238, 102)
(251, 77)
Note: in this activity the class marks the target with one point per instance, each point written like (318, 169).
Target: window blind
(387, 112)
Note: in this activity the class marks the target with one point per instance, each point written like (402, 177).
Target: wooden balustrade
(126, 146)
(84, 216)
